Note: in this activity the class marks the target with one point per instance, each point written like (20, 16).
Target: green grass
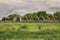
(29, 31)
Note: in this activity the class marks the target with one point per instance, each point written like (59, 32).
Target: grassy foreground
(29, 31)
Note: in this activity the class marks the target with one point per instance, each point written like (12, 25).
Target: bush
(39, 26)
(24, 26)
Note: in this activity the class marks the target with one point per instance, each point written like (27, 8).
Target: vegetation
(34, 26)
(57, 15)
(29, 31)
(40, 15)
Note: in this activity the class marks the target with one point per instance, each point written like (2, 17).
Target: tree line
(40, 15)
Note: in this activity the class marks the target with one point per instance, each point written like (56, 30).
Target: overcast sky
(24, 6)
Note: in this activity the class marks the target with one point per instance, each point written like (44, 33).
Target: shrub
(24, 26)
(39, 26)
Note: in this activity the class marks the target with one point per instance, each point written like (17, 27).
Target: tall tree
(57, 15)
(28, 16)
(35, 17)
(12, 16)
(3, 19)
(49, 17)
(41, 14)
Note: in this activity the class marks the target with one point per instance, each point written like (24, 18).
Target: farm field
(29, 31)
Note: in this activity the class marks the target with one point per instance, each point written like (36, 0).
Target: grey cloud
(54, 8)
(10, 6)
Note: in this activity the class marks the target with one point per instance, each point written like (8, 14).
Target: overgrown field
(29, 31)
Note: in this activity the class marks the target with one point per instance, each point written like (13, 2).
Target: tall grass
(20, 31)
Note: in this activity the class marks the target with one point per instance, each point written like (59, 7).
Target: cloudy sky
(24, 6)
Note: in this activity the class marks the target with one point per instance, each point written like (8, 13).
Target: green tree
(12, 16)
(3, 19)
(28, 16)
(35, 17)
(57, 15)
(49, 17)
(41, 14)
